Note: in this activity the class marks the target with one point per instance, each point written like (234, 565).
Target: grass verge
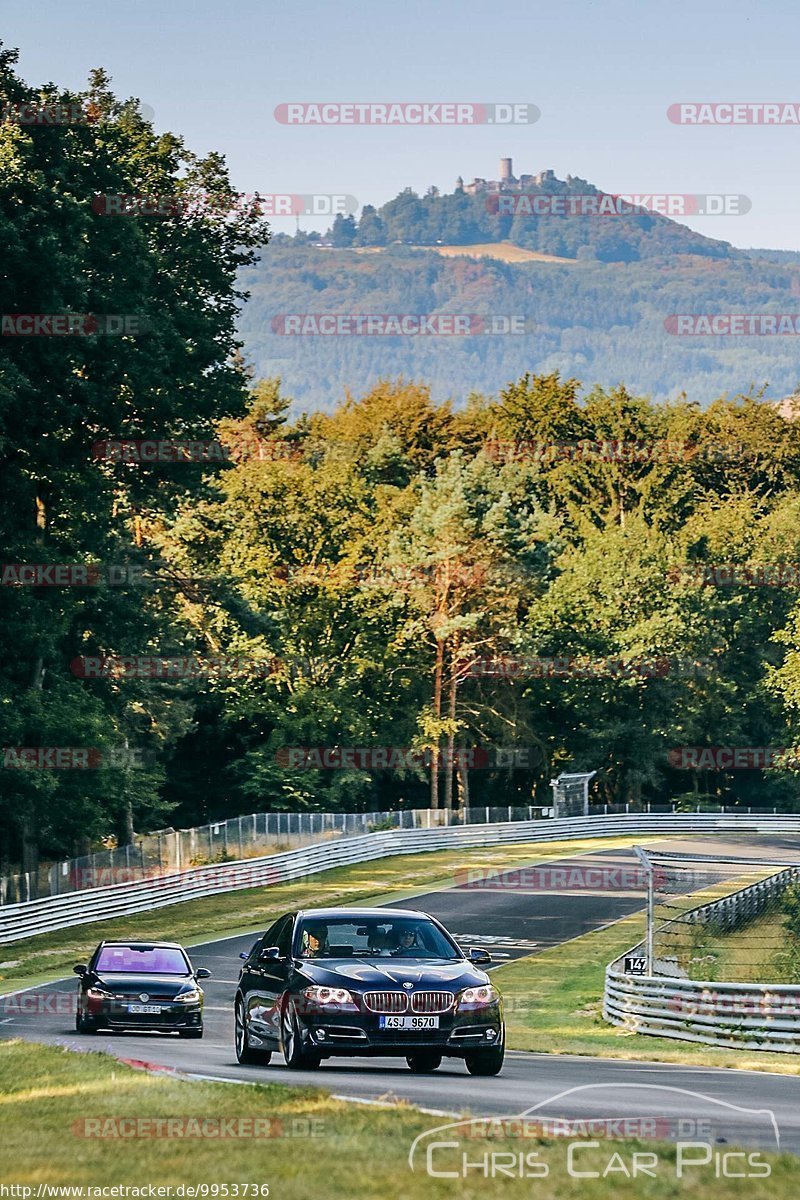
(51, 1098)
(554, 1007)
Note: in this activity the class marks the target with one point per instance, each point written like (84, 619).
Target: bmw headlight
(327, 999)
(192, 997)
(477, 997)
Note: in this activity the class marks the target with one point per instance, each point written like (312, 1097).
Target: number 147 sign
(635, 966)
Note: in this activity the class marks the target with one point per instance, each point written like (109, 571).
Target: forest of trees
(375, 573)
(603, 322)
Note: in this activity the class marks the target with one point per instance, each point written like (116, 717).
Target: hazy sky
(602, 73)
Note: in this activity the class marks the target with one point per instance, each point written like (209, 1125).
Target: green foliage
(61, 395)
(791, 907)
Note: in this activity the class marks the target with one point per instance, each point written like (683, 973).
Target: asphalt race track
(511, 921)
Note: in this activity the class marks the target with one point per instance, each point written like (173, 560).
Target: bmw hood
(390, 975)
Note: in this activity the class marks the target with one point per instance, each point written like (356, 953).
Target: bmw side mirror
(244, 955)
(270, 954)
(80, 969)
(479, 956)
(202, 973)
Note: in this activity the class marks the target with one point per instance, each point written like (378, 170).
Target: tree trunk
(451, 737)
(463, 779)
(437, 711)
(29, 847)
(30, 855)
(129, 833)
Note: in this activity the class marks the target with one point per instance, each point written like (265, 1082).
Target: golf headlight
(96, 993)
(477, 997)
(192, 997)
(329, 999)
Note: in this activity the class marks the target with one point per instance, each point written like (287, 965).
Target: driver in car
(404, 940)
(314, 941)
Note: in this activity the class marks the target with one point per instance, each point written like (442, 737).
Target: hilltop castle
(507, 181)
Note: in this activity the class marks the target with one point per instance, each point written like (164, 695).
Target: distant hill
(599, 315)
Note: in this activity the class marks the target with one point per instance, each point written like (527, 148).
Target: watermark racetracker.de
(405, 758)
(198, 1128)
(44, 114)
(382, 113)
(179, 667)
(401, 324)
(75, 758)
(612, 450)
(605, 204)
(73, 324)
(734, 112)
(270, 204)
(583, 667)
(159, 450)
(733, 324)
(732, 758)
(780, 574)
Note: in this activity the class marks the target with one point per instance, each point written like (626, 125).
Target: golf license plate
(409, 1022)
(144, 1008)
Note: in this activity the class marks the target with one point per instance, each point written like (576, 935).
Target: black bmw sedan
(140, 985)
(346, 982)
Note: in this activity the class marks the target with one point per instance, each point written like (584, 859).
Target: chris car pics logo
(601, 1132)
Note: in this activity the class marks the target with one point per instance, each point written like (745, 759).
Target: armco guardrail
(736, 1015)
(742, 906)
(254, 835)
(19, 921)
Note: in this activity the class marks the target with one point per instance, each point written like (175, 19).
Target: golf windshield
(143, 960)
(372, 937)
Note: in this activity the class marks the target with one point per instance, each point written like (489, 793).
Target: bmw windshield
(405, 937)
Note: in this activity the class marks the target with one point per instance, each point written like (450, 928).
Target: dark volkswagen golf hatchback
(346, 982)
(140, 985)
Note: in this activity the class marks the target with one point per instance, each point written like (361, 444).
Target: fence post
(648, 867)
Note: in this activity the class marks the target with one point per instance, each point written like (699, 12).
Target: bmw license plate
(409, 1022)
(144, 1008)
